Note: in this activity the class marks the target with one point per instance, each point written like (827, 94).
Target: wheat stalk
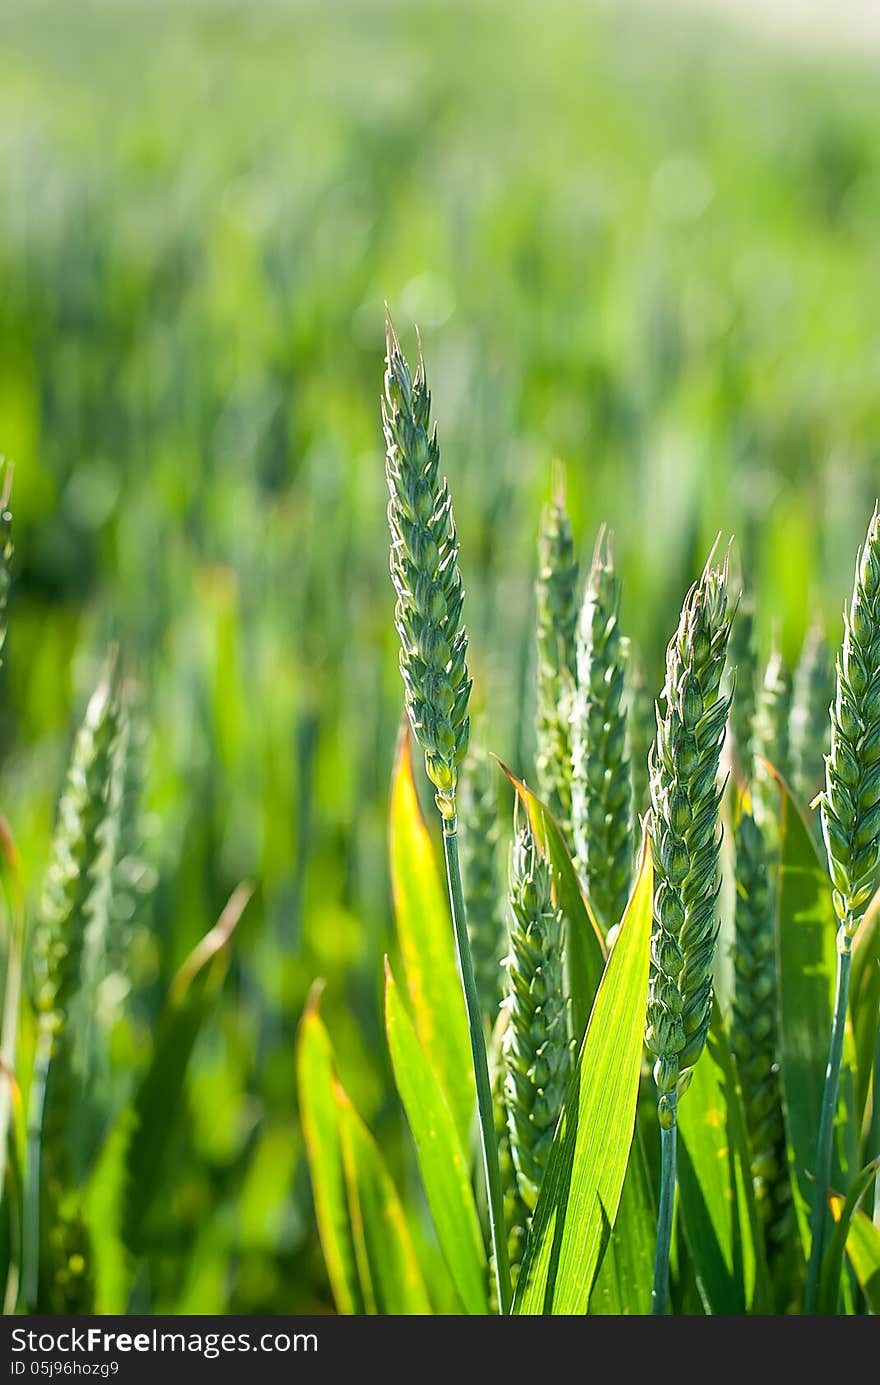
(433, 662)
(557, 614)
(850, 806)
(601, 797)
(685, 840)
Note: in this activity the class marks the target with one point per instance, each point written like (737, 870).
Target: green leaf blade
(384, 1250)
(715, 1186)
(316, 1078)
(441, 1156)
(424, 930)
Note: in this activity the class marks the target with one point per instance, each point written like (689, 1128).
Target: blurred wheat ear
(69, 935)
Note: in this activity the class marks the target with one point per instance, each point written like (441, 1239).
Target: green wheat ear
(557, 615)
(426, 577)
(685, 840)
(685, 836)
(754, 1031)
(480, 874)
(851, 799)
(72, 919)
(810, 729)
(536, 1046)
(600, 789)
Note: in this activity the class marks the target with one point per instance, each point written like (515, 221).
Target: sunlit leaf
(623, 1284)
(389, 1269)
(320, 1120)
(715, 1185)
(427, 944)
(442, 1160)
(863, 1253)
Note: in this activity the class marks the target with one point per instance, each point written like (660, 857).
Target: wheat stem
(488, 1141)
(825, 1145)
(660, 1289)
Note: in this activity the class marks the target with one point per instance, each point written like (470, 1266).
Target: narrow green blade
(863, 1252)
(441, 1155)
(386, 1258)
(320, 1120)
(581, 1192)
(806, 931)
(844, 1211)
(424, 929)
(623, 1284)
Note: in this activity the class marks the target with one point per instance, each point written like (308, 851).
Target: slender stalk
(32, 1199)
(660, 1289)
(874, 1134)
(11, 1004)
(488, 1139)
(819, 1220)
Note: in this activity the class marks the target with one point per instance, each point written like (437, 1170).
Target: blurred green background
(633, 241)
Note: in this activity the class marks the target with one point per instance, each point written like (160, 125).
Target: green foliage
(719, 1210)
(425, 938)
(442, 1161)
(627, 267)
